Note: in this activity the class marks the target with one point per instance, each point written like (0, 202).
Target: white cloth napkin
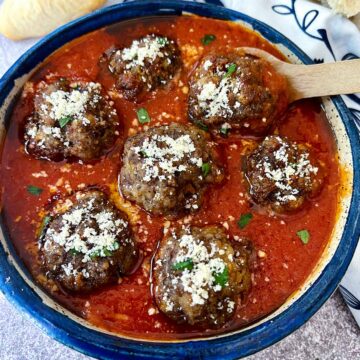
(323, 35)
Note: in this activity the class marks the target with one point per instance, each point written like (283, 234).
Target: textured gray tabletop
(331, 334)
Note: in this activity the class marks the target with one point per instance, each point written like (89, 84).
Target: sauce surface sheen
(127, 307)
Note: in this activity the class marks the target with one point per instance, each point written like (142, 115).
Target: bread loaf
(20, 19)
(348, 8)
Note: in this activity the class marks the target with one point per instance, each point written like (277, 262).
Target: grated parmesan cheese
(145, 52)
(163, 156)
(59, 105)
(97, 240)
(201, 278)
(282, 171)
(213, 97)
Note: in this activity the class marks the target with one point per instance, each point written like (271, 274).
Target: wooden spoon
(306, 81)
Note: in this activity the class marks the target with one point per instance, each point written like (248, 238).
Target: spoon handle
(336, 78)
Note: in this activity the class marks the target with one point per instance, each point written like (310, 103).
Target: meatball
(88, 245)
(236, 92)
(70, 120)
(150, 62)
(199, 276)
(166, 169)
(281, 174)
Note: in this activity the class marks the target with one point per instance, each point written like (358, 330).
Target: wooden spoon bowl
(307, 81)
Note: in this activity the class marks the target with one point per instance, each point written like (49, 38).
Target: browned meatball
(199, 275)
(236, 92)
(167, 168)
(150, 62)
(70, 120)
(88, 245)
(281, 174)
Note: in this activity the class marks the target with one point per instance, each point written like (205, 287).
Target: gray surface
(331, 334)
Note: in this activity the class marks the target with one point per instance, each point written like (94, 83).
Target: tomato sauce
(283, 261)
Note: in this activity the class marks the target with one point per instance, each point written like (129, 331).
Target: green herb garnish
(182, 265)
(224, 131)
(208, 39)
(230, 70)
(63, 121)
(44, 223)
(74, 252)
(143, 153)
(244, 220)
(143, 116)
(34, 190)
(201, 125)
(205, 168)
(94, 254)
(161, 40)
(304, 236)
(105, 251)
(222, 278)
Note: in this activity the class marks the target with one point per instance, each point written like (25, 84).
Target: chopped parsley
(208, 39)
(244, 220)
(205, 168)
(105, 251)
(304, 236)
(34, 190)
(44, 223)
(74, 252)
(182, 265)
(224, 130)
(201, 125)
(94, 254)
(64, 120)
(222, 278)
(143, 116)
(161, 40)
(143, 154)
(231, 69)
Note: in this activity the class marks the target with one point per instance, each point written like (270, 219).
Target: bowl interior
(16, 282)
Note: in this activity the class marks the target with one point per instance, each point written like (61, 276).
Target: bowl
(16, 282)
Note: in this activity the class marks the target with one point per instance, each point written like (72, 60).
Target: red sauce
(124, 307)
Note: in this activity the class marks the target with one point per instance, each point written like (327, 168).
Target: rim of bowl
(231, 346)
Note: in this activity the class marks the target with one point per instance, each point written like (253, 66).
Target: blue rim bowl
(21, 291)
